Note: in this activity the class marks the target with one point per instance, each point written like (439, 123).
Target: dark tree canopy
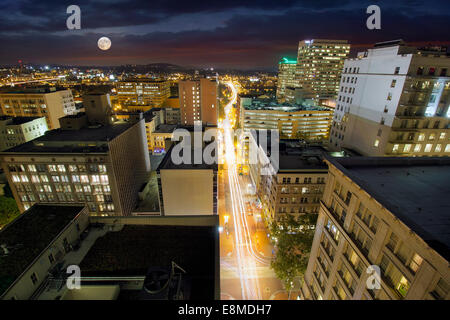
(294, 240)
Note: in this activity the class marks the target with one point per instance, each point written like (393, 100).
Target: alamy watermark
(373, 282)
(374, 20)
(74, 20)
(204, 147)
(74, 280)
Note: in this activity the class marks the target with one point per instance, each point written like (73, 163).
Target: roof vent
(5, 249)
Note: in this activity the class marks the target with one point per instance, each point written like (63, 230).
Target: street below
(245, 248)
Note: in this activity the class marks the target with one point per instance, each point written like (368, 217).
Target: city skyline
(221, 35)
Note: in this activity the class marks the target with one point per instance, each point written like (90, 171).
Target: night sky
(237, 34)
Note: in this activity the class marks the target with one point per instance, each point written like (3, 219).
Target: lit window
(95, 179)
(407, 148)
(442, 136)
(376, 143)
(417, 147)
(415, 262)
(447, 148)
(427, 147)
(432, 136)
(421, 137)
(438, 148)
(84, 178)
(395, 148)
(31, 168)
(15, 178)
(61, 168)
(104, 179)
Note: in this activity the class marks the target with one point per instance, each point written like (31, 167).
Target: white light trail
(245, 254)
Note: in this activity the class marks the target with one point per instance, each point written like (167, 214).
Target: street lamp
(292, 285)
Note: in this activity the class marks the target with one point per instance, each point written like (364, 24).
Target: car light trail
(246, 257)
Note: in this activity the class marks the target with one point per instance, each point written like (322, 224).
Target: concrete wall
(187, 192)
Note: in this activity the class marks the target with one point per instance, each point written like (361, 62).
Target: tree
(8, 210)
(293, 243)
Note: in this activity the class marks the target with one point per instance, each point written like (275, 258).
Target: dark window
(420, 71)
(443, 72)
(348, 198)
(431, 71)
(397, 70)
(33, 278)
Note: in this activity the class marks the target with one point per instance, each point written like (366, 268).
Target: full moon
(104, 43)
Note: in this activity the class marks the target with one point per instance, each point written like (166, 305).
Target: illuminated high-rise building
(319, 67)
(198, 101)
(394, 101)
(286, 77)
(142, 91)
(103, 166)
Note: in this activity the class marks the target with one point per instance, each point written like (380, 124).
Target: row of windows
(431, 71)
(303, 190)
(57, 168)
(294, 200)
(65, 197)
(287, 180)
(417, 147)
(93, 179)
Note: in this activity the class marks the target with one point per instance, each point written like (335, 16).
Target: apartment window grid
(393, 277)
(407, 257)
(87, 183)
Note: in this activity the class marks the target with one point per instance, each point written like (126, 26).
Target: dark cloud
(252, 33)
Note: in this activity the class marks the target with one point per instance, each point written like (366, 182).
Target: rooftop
(28, 235)
(131, 251)
(30, 90)
(88, 139)
(414, 189)
(285, 60)
(168, 164)
(18, 120)
(165, 128)
(296, 154)
(273, 105)
(74, 116)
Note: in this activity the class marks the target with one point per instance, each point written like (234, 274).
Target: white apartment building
(18, 130)
(394, 100)
(51, 103)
